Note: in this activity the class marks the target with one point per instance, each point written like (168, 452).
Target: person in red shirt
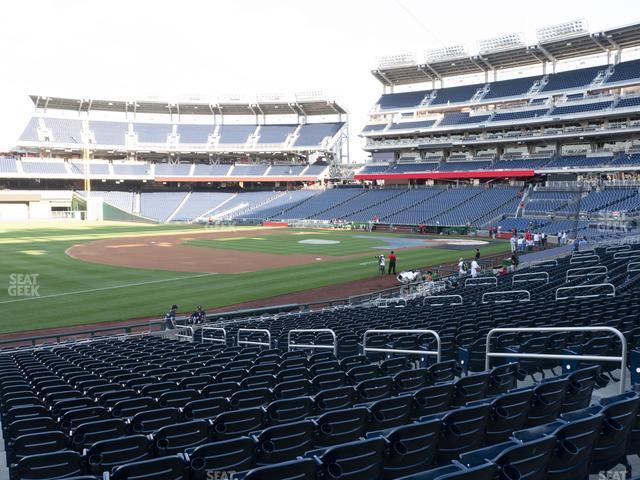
(392, 262)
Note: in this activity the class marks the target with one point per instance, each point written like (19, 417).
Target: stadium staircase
(292, 206)
(457, 205)
(180, 205)
(375, 204)
(523, 202)
(210, 212)
(538, 85)
(409, 207)
(492, 216)
(256, 206)
(602, 77)
(339, 204)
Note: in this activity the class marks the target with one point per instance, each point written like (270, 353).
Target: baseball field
(69, 274)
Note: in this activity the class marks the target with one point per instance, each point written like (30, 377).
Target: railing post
(437, 352)
(250, 342)
(592, 358)
(334, 347)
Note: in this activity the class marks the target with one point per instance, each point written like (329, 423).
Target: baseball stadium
(443, 285)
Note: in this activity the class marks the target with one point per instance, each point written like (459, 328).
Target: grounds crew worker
(392, 262)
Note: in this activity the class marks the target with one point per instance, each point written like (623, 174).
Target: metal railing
(633, 267)
(582, 287)
(507, 292)
(222, 340)
(580, 259)
(427, 300)
(333, 347)
(478, 281)
(188, 336)
(584, 253)
(436, 352)
(552, 356)
(544, 263)
(251, 342)
(626, 255)
(530, 277)
(592, 271)
(387, 302)
(617, 248)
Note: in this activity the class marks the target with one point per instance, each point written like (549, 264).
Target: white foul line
(109, 288)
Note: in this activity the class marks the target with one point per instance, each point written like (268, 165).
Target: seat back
(205, 408)
(412, 448)
(283, 443)
(151, 420)
(341, 426)
(304, 469)
(49, 465)
(237, 423)
(289, 410)
(354, 461)
(105, 455)
(174, 439)
(433, 399)
(462, 431)
(163, 468)
(236, 455)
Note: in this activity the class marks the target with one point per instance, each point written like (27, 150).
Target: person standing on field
(381, 264)
(392, 262)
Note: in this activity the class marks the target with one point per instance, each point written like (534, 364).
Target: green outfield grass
(72, 292)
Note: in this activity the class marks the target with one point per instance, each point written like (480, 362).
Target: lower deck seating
(157, 409)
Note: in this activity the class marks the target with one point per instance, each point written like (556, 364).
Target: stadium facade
(513, 136)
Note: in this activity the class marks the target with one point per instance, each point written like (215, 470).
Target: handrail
(436, 352)
(552, 262)
(387, 302)
(524, 276)
(622, 358)
(424, 300)
(617, 248)
(584, 259)
(181, 328)
(585, 252)
(633, 267)
(334, 347)
(592, 273)
(222, 340)
(528, 299)
(478, 281)
(250, 342)
(577, 287)
(626, 255)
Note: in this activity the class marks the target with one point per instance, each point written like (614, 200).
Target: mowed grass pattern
(73, 292)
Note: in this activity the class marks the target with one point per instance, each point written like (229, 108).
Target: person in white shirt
(475, 269)
(521, 244)
(381, 263)
(514, 245)
(461, 271)
(536, 240)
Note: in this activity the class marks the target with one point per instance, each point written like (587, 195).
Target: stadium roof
(549, 50)
(273, 105)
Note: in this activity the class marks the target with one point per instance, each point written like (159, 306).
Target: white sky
(210, 47)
